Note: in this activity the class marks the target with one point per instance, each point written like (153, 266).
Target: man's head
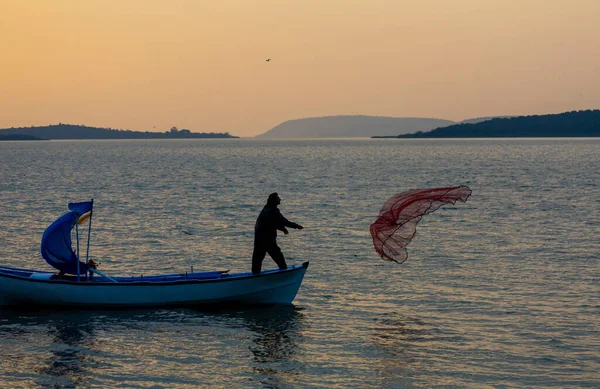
(273, 199)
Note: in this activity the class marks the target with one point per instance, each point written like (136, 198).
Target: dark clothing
(265, 237)
(269, 221)
(263, 247)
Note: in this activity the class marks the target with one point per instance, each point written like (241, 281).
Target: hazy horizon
(151, 65)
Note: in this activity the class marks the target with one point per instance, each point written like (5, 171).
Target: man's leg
(257, 257)
(275, 253)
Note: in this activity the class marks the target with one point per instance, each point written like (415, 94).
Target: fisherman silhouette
(265, 234)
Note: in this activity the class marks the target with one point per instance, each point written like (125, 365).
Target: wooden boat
(79, 284)
(29, 287)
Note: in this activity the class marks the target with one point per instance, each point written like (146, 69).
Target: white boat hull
(269, 287)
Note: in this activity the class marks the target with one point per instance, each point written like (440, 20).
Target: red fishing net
(398, 219)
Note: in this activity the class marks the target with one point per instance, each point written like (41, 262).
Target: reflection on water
(501, 292)
(395, 335)
(397, 339)
(407, 345)
(275, 333)
(65, 357)
(275, 344)
(69, 349)
(69, 359)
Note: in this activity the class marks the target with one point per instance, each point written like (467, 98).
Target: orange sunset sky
(148, 65)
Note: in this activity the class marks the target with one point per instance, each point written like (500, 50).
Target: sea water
(502, 291)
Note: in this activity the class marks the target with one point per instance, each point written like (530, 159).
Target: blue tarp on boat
(56, 242)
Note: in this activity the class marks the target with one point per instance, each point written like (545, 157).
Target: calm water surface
(500, 292)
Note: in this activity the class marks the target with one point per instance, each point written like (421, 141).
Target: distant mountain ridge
(70, 131)
(351, 126)
(482, 119)
(568, 124)
(19, 137)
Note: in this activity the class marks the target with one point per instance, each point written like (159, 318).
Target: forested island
(70, 131)
(19, 137)
(567, 124)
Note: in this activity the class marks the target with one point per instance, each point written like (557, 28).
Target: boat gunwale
(183, 281)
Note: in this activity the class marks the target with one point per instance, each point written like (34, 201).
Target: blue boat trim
(123, 281)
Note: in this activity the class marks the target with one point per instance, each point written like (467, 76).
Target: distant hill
(482, 119)
(70, 131)
(351, 126)
(19, 137)
(567, 124)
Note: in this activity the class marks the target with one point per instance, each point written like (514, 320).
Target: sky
(149, 65)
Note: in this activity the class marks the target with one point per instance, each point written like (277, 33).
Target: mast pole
(87, 253)
(77, 235)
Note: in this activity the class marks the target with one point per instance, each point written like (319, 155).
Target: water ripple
(499, 292)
